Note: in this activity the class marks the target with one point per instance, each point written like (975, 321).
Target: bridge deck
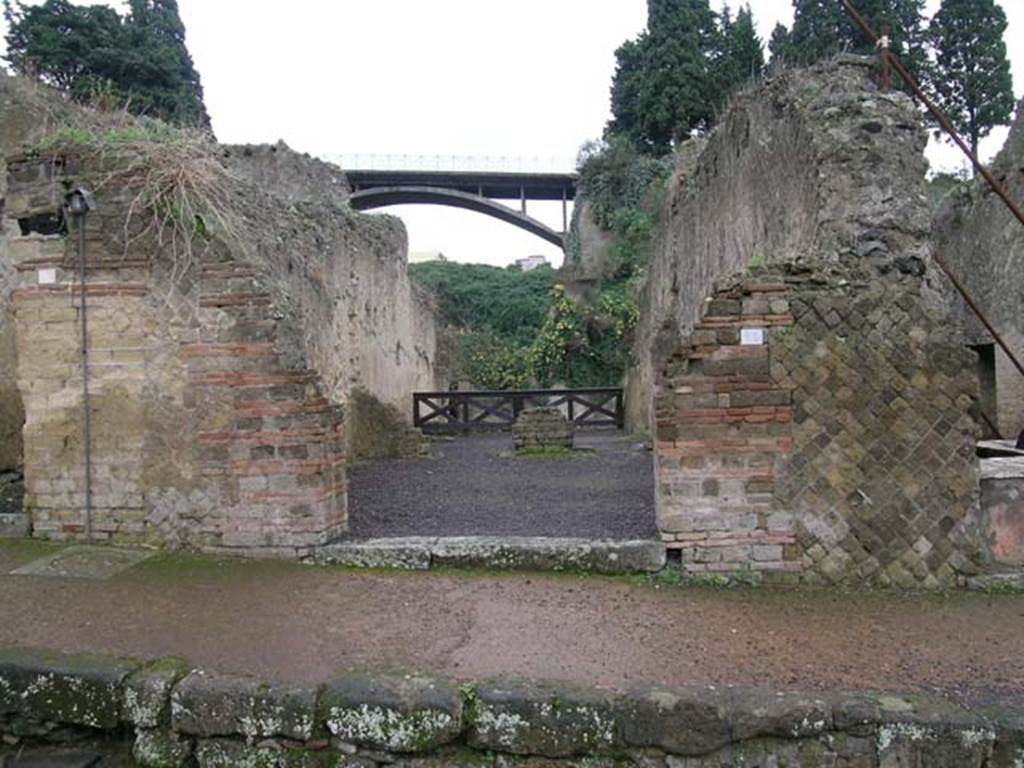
(493, 185)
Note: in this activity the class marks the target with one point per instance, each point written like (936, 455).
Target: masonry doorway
(476, 483)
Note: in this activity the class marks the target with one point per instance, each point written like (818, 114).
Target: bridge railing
(460, 163)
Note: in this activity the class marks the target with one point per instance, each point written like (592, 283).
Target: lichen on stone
(388, 728)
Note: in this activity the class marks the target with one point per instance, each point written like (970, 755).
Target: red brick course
(722, 424)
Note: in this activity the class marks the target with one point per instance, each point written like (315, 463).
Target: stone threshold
(507, 553)
(174, 716)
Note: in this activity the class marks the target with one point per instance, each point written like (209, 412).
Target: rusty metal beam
(937, 113)
(998, 188)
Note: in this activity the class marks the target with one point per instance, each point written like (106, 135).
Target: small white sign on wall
(752, 337)
(47, 276)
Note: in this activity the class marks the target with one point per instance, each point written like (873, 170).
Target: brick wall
(210, 428)
(983, 243)
(838, 449)
(813, 162)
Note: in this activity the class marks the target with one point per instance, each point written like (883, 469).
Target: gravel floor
(474, 486)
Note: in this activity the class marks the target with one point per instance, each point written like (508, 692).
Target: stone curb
(221, 719)
(15, 525)
(515, 553)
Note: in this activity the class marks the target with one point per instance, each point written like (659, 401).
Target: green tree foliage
(973, 83)
(491, 361)
(91, 52)
(778, 44)
(623, 188)
(516, 329)
(507, 303)
(672, 79)
(821, 28)
(664, 89)
(581, 346)
(741, 51)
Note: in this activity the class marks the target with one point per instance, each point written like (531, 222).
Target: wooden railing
(457, 411)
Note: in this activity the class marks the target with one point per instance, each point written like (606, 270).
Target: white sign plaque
(752, 337)
(47, 276)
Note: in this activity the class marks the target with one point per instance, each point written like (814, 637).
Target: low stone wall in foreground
(178, 716)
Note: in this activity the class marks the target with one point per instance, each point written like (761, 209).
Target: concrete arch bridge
(473, 190)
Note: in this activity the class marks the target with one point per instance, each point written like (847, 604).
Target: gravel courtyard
(475, 486)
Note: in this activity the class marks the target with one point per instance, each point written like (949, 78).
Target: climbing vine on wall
(623, 188)
(585, 345)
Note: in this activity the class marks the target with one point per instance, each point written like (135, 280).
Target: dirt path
(302, 623)
(473, 486)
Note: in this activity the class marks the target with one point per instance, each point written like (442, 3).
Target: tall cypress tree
(973, 83)
(167, 83)
(140, 60)
(779, 45)
(664, 86)
(739, 54)
(819, 30)
(822, 28)
(745, 47)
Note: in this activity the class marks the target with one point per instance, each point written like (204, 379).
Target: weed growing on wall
(179, 191)
(623, 188)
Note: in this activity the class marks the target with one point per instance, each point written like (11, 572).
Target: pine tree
(973, 83)
(70, 47)
(739, 55)
(140, 60)
(745, 47)
(780, 45)
(167, 82)
(821, 28)
(664, 87)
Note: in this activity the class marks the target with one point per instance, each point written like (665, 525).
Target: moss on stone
(377, 430)
(74, 689)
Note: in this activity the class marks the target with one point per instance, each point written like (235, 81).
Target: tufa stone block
(398, 714)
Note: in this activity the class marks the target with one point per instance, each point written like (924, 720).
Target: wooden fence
(457, 411)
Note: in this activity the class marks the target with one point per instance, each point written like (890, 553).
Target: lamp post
(78, 203)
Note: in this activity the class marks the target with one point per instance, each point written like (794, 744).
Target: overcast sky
(447, 77)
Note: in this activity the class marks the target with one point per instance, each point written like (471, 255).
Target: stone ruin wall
(983, 243)
(218, 388)
(813, 162)
(27, 115)
(167, 714)
(383, 338)
(834, 442)
(840, 449)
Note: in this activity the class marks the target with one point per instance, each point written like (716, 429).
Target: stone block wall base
(177, 716)
(513, 553)
(816, 425)
(15, 526)
(538, 429)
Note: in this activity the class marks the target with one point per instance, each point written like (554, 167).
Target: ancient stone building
(983, 243)
(223, 339)
(808, 392)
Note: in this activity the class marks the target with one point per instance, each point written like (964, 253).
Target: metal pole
(883, 46)
(998, 188)
(977, 311)
(86, 410)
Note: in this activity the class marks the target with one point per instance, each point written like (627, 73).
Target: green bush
(508, 303)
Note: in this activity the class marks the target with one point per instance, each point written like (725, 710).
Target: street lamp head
(80, 201)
